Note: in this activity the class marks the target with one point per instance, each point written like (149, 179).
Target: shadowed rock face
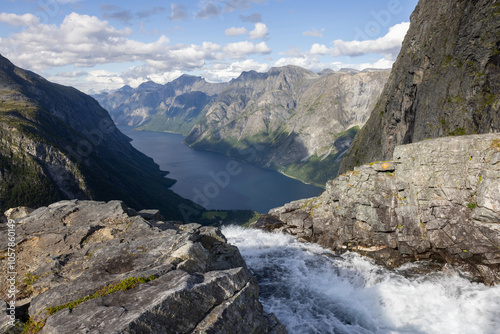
(59, 143)
(192, 280)
(446, 80)
(437, 199)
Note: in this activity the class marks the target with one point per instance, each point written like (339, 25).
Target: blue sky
(105, 44)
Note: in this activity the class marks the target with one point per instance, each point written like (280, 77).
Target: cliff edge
(437, 200)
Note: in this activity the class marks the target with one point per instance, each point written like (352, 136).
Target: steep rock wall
(446, 80)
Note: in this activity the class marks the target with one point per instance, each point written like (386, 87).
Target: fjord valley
(404, 238)
(300, 122)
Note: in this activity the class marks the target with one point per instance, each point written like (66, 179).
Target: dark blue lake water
(214, 180)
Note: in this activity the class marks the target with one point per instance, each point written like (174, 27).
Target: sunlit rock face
(436, 199)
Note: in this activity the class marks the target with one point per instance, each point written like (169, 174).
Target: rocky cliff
(97, 267)
(446, 80)
(174, 107)
(300, 123)
(437, 199)
(58, 143)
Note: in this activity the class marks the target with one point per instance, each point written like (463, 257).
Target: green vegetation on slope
(318, 170)
(58, 143)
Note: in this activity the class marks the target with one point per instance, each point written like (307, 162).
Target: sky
(96, 45)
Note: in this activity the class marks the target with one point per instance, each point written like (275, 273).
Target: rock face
(124, 274)
(58, 143)
(437, 199)
(446, 80)
(297, 120)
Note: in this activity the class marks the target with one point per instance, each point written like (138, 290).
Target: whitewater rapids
(312, 291)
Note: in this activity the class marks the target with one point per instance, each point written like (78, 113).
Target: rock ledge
(196, 282)
(437, 199)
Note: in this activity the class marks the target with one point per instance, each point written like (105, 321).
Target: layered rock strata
(437, 199)
(91, 267)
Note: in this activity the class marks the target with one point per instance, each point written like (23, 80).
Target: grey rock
(192, 280)
(437, 199)
(151, 214)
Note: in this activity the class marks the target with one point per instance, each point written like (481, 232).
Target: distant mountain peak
(187, 79)
(326, 71)
(148, 86)
(125, 88)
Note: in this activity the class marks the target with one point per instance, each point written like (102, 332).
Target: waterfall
(313, 291)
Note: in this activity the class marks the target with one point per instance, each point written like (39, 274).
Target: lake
(215, 180)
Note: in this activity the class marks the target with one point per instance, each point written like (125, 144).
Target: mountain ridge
(294, 116)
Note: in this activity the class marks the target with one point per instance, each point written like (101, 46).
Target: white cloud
(19, 20)
(388, 44)
(232, 5)
(260, 31)
(74, 74)
(210, 10)
(314, 64)
(241, 49)
(86, 41)
(302, 61)
(233, 31)
(224, 72)
(254, 18)
(313, 33)
(319, 49)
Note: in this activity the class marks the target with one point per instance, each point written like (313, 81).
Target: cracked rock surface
(194, 281)
(437, 199)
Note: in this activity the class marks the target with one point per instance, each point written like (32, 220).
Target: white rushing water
(312, 291)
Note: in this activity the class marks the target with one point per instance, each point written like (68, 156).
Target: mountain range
(299, 122)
